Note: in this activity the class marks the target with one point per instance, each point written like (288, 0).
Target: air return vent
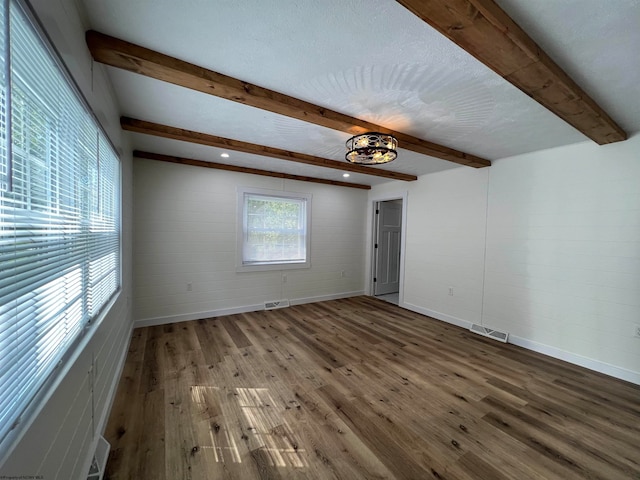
(276, 304)
(489, 332)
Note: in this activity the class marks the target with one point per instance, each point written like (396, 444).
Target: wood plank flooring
(361, 389)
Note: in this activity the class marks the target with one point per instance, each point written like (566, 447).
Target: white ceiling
(372, 60)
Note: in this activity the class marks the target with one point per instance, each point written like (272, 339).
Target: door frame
(369, 270)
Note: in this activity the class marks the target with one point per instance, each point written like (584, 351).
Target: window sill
(260, 267)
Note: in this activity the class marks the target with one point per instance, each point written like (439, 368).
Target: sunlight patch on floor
(272, 435)
(272, 432)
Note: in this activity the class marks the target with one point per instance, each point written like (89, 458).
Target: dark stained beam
(165, 131)
(236, 168)
(485, 31)
(134, 58)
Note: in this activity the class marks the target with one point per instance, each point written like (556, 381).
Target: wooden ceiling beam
(165, 131)
(485, 31)
(134, 58)
(236, 168)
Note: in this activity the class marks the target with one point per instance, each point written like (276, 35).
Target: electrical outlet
(451, 291)
(189, 286)
(637, 331)
(343, 274)
(284, 278)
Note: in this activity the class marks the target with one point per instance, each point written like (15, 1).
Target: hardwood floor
(361, 389)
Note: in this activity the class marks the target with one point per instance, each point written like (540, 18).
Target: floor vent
(99, 463)
(276, 304)
(489, 332)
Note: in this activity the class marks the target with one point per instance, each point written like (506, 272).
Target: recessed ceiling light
(224, 155)
(346, 175)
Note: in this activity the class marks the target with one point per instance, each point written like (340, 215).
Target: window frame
(96, 299)
(244, 266)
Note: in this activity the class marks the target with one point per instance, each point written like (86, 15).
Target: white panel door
(387, 265)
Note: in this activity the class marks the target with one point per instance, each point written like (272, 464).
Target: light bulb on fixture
(371, 148)
(224, 155)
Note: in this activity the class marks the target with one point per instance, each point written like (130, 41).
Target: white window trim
(256, 267)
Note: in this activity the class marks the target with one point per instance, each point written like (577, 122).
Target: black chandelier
(371, 148)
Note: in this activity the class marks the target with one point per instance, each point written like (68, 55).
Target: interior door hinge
(377, 212)
(375, 246)
(375, 279)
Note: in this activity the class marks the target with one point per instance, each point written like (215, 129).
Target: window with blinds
(273, 230)
(59, 216)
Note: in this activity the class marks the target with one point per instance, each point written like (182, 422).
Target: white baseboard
(185, 317)
(591, 364)
(437, 315)
(111, 395)
(602, 367)
(149, 322)
(324, 298)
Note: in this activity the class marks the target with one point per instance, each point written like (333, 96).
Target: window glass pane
(59, 222)
(275, 229)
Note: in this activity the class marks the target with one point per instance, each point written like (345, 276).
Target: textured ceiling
(372, 60)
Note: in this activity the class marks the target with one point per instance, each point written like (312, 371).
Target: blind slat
(59, 217)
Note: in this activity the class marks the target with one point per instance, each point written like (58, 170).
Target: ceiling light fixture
(346, 175)
(371, 148)
(224, 155)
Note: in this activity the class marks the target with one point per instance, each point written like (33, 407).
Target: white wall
(57, 442)
(563, 253)
(185, 232)
(445, 243)
(562, 270)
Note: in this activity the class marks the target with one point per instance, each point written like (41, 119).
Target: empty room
(386, 239)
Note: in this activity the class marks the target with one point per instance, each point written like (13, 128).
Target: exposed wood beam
(134, 58)
(485, 31)
(165, 131)
(236, 168)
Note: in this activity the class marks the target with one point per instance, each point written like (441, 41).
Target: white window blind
(59, 219)
(275, 229)
(4, 73)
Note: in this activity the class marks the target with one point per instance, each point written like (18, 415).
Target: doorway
(387, 250)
